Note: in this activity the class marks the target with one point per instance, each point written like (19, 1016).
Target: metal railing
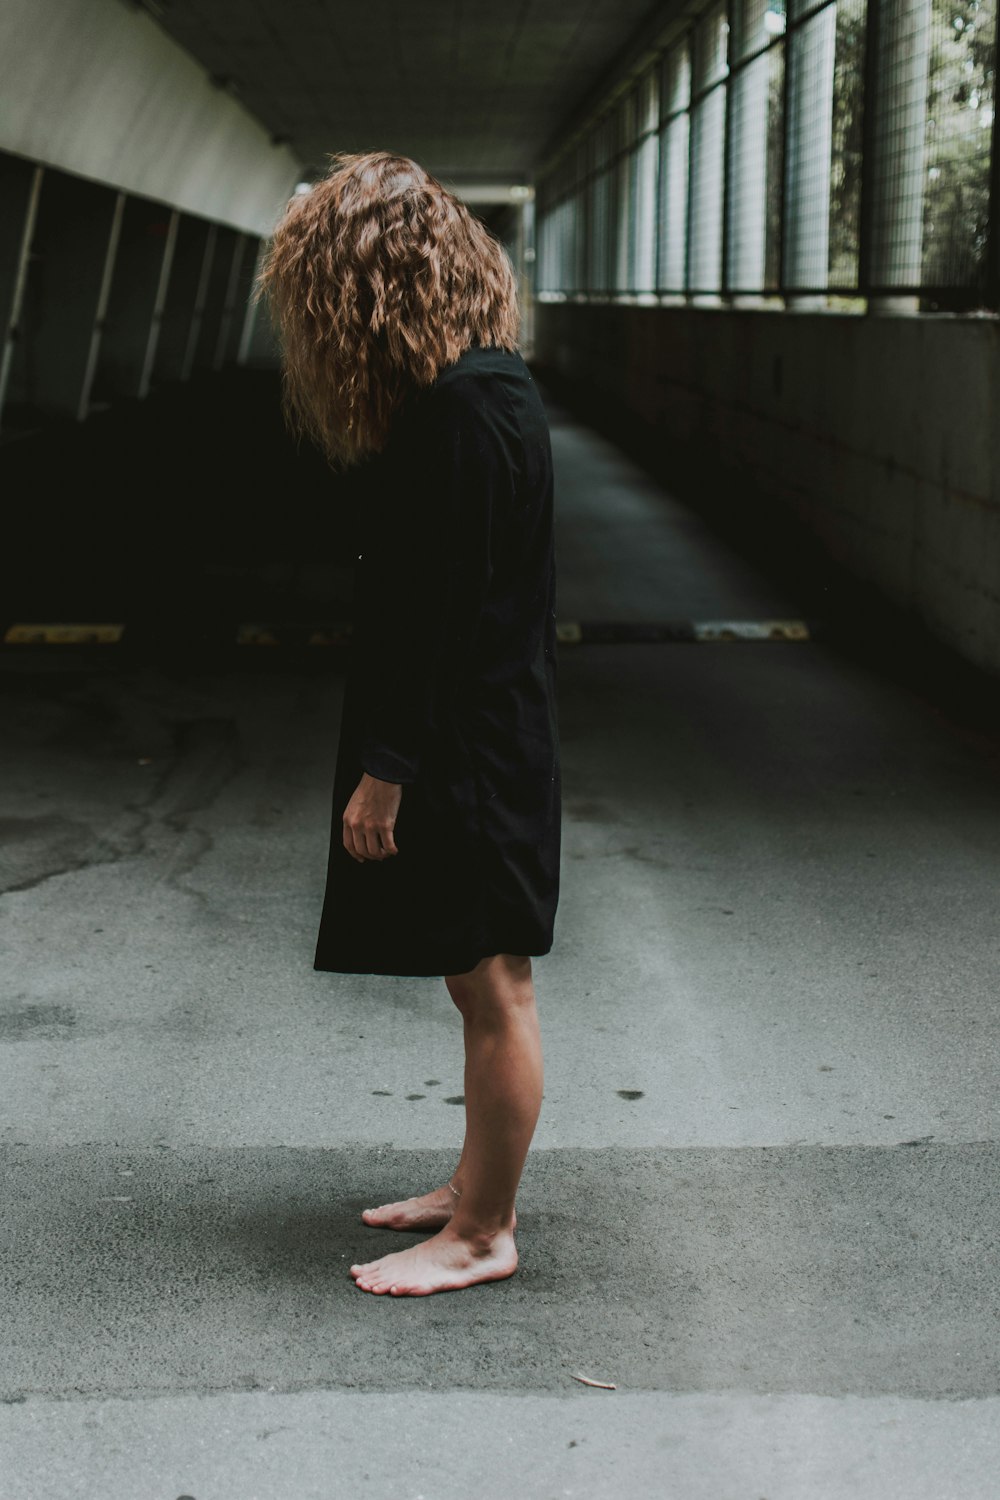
(840, 151)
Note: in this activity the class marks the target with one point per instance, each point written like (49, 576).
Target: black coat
(451, 687)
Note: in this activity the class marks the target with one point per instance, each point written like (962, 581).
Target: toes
(369, 1281)
(386, 1216)
(366, 1268)
(370, 1276)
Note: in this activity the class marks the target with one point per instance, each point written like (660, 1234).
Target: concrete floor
(763, 1195)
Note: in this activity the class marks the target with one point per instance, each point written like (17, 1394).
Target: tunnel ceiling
(470, 88)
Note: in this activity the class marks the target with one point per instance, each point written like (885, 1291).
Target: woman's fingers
(372, 842)
(369, 840)
(380, 839)
(356, 843)
(370, 818)
(354, 840)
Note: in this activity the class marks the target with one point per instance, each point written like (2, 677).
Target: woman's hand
(370, 817)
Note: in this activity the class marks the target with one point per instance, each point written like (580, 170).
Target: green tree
(960, 104)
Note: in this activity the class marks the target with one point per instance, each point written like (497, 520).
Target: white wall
(882, 434)
(96, 88)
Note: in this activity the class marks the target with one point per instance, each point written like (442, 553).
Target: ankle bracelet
(455, 1190)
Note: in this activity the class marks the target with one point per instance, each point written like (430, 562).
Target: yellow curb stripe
(256, 635)
(329, 637)
(63, 635)
(630, 632)
(569, 633)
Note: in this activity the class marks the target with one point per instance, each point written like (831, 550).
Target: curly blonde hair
(377, 278)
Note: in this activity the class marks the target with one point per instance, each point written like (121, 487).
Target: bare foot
(444, 1263)
(432, 1211)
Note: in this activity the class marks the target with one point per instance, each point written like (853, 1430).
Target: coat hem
(459, 966)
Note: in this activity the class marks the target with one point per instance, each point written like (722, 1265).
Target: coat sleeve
(425, 580)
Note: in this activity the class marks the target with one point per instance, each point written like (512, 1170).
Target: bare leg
(503, 1093)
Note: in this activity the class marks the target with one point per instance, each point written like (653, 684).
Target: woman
(399, 322)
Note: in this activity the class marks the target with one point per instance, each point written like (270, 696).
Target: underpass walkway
(762, 1199)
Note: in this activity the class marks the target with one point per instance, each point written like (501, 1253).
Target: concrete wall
(134, 195)
(94, 87)
(880, 433)
(105, 295)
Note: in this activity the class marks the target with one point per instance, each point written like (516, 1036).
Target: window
(675, 96)
(814, 148)
(708, 128)
(755, 142)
